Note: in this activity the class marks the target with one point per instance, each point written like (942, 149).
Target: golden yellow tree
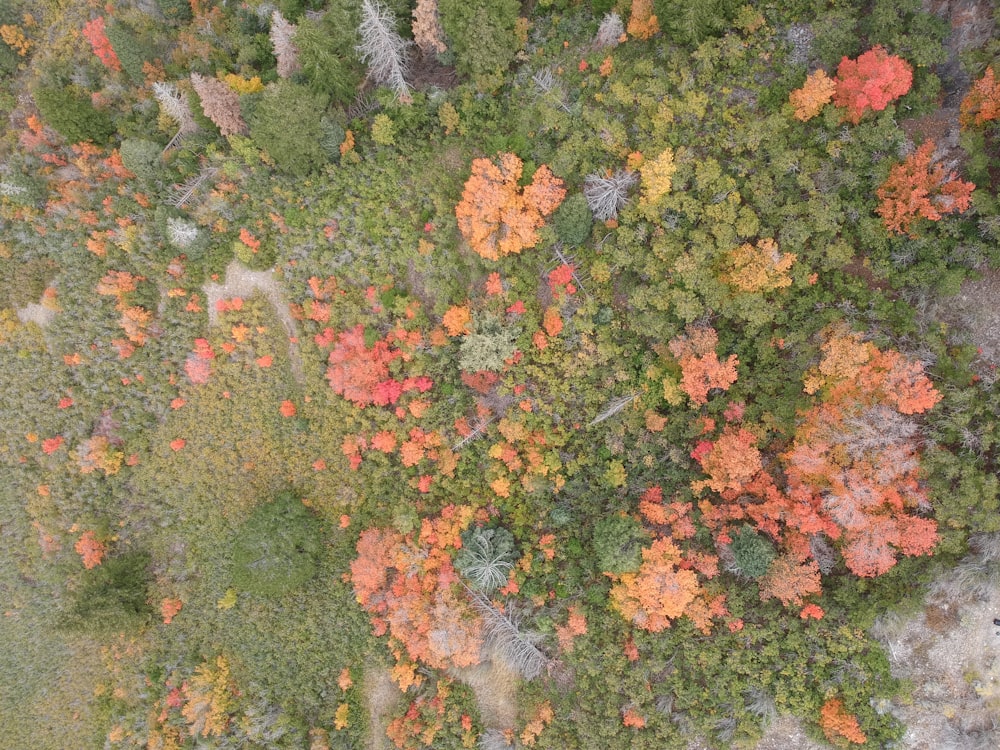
(758, 268)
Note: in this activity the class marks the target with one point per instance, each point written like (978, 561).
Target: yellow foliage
(656, 174)
(758, 268)
(242, 85)
(15, 39)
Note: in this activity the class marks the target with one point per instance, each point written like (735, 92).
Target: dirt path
(240, 281)
(495, 686)
(382, 697)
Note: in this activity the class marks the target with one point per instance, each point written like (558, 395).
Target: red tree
(871, 81)
(93, 32)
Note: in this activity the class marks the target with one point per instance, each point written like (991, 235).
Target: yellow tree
(758, 268)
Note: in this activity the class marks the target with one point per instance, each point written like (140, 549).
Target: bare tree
(175, 105)
(606, 196)
(285, 51)
(610, 31)
(504, 637)
(382, 48)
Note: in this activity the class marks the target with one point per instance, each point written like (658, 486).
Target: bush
(69, 111)
(618, 543)
(573, 220)
(276, 550)
(112, 597)
(297, 149)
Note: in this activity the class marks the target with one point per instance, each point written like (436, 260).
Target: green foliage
(176, 11)
(488, 345)
(691, 23)
(69, 111)
(482, 36)
(111, 597)
(573, 220)
(297, 150)
(23, 281)
(141, 157)
(128, 48)
(276, 549)
(618, 543)
(326, 53)
(752, 552)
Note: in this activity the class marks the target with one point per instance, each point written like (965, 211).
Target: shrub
(276, 550)
(296, 150)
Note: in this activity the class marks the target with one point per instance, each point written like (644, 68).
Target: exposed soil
(36, 313)
(382, 696)
(240, 281)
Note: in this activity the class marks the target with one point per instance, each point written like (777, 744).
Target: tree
(220, 104)
(285, 51)
(656, 174)
(70, 112)
(982, 103)
(871, 82)
(90, 549)
(610, 32)
(483, 36)
(789, 580)
(496, 216)
(93, 31)
(128, 49)
(296, 151)
(607, 195)
(701, 370)
(642, 24)
(919, 189)
(814, 94)
(382, 48)
(732, 461)
(758, 268)
(427, 31)
(175, 105)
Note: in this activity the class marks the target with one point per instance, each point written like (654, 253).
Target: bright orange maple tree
(838, 725)
(496, 216)
(918, 188)
(813, 95)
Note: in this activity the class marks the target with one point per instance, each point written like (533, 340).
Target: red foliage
(871, 81)
(361, 374)
(93, 32)
(917, 188)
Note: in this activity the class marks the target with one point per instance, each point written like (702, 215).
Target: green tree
(296, 150)
(482, 34)
(69, 111)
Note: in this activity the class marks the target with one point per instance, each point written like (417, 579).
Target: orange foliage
(642, 24)
(90, 549)
(916, 188)
(456, 320)
(982, 103)
(871, 81)
(788, 581)
(659, 592)
(496, 216)
(758, 268)
(838, 725)
(855, 460)
(169, 608)
(815, 94)
(732, 461)
(543, 716)
(552, 322)
(575, 625)
(700, 366)
(409, 587)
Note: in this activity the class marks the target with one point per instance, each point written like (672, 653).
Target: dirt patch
(495, 686)
(240, 281)
(382, 696)
(975, 312)
(949, 651)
